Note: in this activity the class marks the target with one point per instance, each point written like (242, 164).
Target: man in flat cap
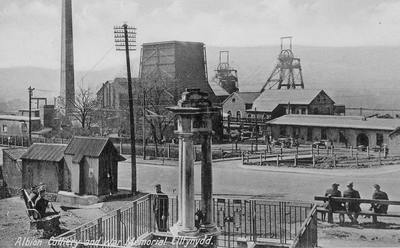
(379, 195)
(334, 206)
(160, 209)
(352, 207)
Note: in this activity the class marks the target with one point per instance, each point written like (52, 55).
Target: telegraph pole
(30, 90)
(125, 37)
(144, 123)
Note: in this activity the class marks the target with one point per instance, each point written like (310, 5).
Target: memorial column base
(177, 231)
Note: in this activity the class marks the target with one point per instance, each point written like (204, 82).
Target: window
(324, 133)
(238, 114)
(296, 132)
(249, 116)
(229, 113)
(342, 137)
(309, 133)
(379, 139)
(282, 131)
(303, 111)
(5, 129)
(233, 100)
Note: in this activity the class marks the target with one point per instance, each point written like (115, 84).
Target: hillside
(355, 76)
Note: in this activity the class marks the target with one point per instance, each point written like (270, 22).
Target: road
(231, 178)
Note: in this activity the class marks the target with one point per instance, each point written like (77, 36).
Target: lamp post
(125, 38)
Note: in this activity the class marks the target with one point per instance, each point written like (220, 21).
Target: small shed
(93, 164)
(44, 163)
(12, 167)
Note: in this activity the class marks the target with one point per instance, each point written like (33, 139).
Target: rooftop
(18, 118)
(355, 122)
(270, 99)
(45, 152)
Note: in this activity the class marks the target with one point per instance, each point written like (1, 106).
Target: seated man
(352, 207)
(40, 203)
(379, 195)
(334, 206)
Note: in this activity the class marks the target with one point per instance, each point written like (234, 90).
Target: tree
(158, 94)
(84, 106)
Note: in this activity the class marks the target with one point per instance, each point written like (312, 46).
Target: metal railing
(255, 219)
(307, 237)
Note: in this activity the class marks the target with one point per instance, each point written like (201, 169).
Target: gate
(258, 220)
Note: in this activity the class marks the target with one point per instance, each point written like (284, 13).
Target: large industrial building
(179, 64)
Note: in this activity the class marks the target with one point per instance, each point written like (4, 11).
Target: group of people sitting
(40, 203)
(353, 208)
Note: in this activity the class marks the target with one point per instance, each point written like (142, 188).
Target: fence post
(169, 151)
(135, 220)
(281, 150)
(385, 151)
(242, 157)
(357, 158)
(380, 158)
(334, 161)
(312, 150)
(351, 151)
(100, 229)
(368, 151)
(313, 160)
(150, 211)
(295, 160)
(120, 147)
(247, 157)
(260, 159)
(251, 147)
(222, 153)
(318, 150)
(277, 160)
(327, 150)
(297, 149)
(119, 223)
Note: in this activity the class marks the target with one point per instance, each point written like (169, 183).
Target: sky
(31, 29)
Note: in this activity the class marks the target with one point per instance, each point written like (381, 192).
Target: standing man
(335, 206)
(160, 209)
(379, 195)
(352, 207)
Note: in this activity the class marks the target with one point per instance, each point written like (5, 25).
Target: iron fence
(255, 219)
(307, 236)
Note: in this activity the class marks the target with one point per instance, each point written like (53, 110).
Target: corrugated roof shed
(15, 153)
(86, 146)
(354, 122)
(270, 99)
(45, 152)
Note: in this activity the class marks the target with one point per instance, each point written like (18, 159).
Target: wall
(35, 172)
(332, 134)
(238, 104)
(324, 105)
(12, 172)
(73, 171)
(15, 127)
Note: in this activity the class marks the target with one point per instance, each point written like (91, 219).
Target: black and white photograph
(210, 124)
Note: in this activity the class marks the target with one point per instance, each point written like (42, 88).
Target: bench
(49, 225)
(365, 213)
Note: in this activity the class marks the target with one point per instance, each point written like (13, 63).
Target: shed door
(86, 179)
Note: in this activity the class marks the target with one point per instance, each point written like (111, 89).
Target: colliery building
(340, 130)
(181, 64)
